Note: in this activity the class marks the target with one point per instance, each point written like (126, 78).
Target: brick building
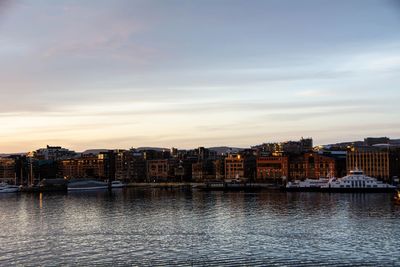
(312, 166)
(272, 168)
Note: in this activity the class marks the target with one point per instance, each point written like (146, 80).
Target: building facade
(374, 163)
(234, 166)
(157, 170)
(7, 170)
(87, 166)
(312, 166)
(271, 168)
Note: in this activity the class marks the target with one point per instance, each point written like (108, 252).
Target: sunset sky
(121, 74)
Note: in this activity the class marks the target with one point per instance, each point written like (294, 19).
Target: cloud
(315, 93)
(376, 59)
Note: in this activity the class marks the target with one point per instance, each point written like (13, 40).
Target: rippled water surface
(167, 227)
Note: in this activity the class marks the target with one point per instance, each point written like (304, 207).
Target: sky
(178, 73)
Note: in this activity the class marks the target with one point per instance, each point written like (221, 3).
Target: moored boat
(117, 184)
(6, 188)
(356, 181)
(229, 185)
(307, 185)
(83, 185)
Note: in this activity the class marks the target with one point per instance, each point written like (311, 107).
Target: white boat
(6, 188)
(117, 184)
(83, 185)
(357, 181)
(308, 183)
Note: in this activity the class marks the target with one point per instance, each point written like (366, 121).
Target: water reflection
(154, 226)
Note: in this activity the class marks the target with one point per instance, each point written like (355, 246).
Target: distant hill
(225, 149)
(11, 154)
(153, 148)
(94, 151)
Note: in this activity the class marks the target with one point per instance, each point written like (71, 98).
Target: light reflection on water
(167, 227)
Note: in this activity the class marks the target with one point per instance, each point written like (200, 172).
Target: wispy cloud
(315, 93)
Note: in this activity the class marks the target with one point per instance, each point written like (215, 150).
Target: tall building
(130, 166)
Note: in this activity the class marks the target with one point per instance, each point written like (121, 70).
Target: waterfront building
(130, 166)
(203, 171)
(158, 170)
(86, 166)
(107, 161)
(187, 163)
(340, 157)
(311, 165)
(219, 166)
(234, 166)
(372, 161)
(272, 168)
(198, 172)
(250, 164)
(7, 170)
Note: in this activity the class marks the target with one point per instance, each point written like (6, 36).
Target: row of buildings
(269, 162)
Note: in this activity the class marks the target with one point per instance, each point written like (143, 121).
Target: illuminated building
(234, 166)
(272, 168)
(86, 166)
(312, 166)
(373, 162)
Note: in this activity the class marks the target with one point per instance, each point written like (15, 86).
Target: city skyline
(380, 141)
(183, 74)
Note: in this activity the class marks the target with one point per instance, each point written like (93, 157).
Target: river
(172, 227)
